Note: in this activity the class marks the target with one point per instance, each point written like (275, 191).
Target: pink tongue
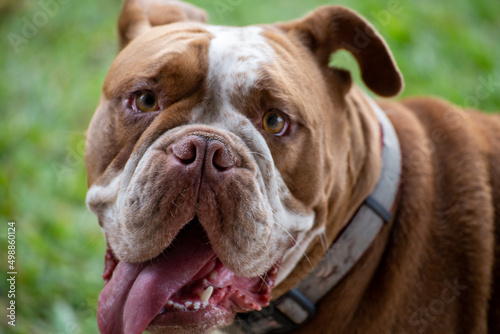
(136, 293)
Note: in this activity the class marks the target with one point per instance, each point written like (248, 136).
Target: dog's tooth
(213, 275)
(187, 303)
(205, 295)
(204, 282)
(170, 302)
(197, 305)
(178, 306)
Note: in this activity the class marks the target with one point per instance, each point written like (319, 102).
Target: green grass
(50, 87)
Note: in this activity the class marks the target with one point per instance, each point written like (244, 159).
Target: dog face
(211, 161)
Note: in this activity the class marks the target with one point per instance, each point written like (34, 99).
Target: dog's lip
(231, 293)
(210, 317)
(193, 311)
(212, 302)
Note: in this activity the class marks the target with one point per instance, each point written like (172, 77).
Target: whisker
(262, 155)
(296, 244)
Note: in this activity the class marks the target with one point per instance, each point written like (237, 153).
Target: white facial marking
(101, 198)
(294, 254)
(236, 56)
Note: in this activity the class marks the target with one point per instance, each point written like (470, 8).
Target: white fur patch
(235, 57)
(101, 199)
(99, 196)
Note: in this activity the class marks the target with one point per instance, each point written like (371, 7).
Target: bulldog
(236, 175)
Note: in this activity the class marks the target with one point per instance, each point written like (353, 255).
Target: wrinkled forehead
(238, 57)
(230, 57)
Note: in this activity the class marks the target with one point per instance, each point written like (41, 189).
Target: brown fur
(444, 225)
(446, 230)
(443, 231)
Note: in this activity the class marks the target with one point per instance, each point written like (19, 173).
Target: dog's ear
(138, 16)
(330, 28)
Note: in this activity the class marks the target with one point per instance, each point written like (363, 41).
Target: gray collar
(297, 306)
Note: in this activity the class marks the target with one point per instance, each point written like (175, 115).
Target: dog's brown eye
(146, 102)
(274, 122)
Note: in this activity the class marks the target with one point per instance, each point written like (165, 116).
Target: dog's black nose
(200, 150)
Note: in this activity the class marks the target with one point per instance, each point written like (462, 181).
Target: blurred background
(54, 55)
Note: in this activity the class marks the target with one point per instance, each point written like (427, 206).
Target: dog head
(215, 157)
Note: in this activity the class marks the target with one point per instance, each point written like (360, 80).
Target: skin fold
(277, 200)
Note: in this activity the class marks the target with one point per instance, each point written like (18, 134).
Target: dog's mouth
(186, 286)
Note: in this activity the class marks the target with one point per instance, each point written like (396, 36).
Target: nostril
(222, 159)
(185, 152)
(197, 150)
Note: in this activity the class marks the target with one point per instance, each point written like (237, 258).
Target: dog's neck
(364, 236)
(363, 167)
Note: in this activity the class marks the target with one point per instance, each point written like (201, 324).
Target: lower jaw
(200, 321)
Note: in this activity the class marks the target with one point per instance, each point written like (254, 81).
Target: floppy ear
(330, 28)
(138, 16)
